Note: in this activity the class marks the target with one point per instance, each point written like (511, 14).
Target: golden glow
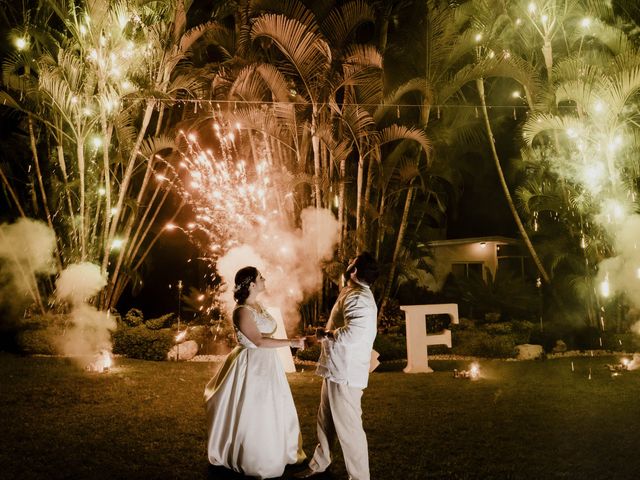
(117, 244)
(474, 371)
(21, 43)
(605, 288)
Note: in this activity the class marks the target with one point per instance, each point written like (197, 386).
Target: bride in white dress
(252, 421)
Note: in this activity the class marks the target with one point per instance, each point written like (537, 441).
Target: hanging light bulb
(21, 43)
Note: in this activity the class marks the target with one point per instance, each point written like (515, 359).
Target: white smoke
(90, 329)
(26, 251)
(79, 282)
(289, 259)
(623, 270)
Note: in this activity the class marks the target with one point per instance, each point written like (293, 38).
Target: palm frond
(540, 123)
(343, 21)
(289, 8)
(223, 37)
(308, 53)
(192, 35)
(248, 86)
(394, 133)
(154, 145)
(357, 120)
(418, 85)
(275, 80)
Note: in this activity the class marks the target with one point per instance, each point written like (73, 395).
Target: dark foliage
(143, 343)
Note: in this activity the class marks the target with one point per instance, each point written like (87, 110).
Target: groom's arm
(358, 317)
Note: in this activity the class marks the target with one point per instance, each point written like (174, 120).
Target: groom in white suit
(347, 342)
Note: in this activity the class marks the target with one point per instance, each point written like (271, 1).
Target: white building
(480, 255)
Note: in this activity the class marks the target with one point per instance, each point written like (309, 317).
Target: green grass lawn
(533, 420)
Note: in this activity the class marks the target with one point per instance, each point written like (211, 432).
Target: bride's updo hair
(244, 277)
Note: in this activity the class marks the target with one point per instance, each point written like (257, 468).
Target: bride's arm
(249, 329)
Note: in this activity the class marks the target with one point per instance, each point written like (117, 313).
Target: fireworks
(101, 364)
(473, 373)
(228, 197)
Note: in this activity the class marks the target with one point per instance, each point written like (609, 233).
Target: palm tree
(440, 79)
(91, 93)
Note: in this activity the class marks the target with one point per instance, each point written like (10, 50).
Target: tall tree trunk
(380, 235)
(36, 162)
(398, 248)
(107, 180)
(81, 176)
(12, 193)
(315, 143)
(366, 202)
(359, 180)
(341, 206)
(67, 194)
(126, 180)
(505, 187)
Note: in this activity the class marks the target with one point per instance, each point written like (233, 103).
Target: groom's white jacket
(354, 317)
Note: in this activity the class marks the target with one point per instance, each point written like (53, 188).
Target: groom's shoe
(306, 473)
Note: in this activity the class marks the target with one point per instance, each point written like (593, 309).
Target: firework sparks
(227, 196)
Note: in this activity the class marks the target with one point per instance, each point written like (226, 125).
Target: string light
(262, 103)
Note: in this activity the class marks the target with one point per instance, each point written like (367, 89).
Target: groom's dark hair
(367, 268)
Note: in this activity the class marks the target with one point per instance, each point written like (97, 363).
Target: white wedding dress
(252, 421)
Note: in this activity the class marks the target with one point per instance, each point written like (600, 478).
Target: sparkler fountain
(243, 213)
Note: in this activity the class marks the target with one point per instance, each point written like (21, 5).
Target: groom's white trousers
(340, 415)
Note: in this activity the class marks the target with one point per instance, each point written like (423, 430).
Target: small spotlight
(21, 43)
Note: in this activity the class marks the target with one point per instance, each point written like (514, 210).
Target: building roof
(464, 241)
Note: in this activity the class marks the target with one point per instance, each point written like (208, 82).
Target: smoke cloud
(90, 329)
(26, 251)
(79, 282)
(289, 259)
(623, 270)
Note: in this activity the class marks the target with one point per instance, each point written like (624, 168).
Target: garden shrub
(134, 317)
(39, 334)
(465, 324)
(390, 347)
(498, 328)
(163, 321)
(142, 343)
(479, 343)
(39, 341)
(391, 318)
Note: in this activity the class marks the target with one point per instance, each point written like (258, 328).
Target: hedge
(142, 343)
